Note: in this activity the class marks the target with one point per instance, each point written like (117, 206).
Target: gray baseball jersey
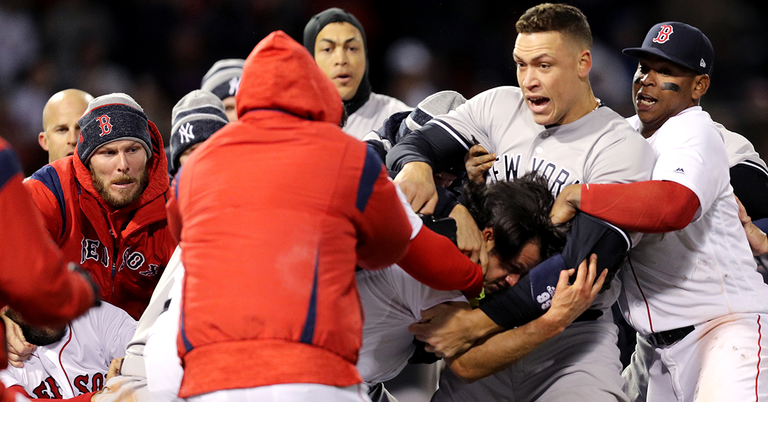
(600, 147)
(372, 114)
(392, 301)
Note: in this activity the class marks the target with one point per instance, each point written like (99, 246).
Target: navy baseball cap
(678, 43)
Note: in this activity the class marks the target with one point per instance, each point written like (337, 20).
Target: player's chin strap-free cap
(109, 118)
(223, 78)
(679, 43)
(197, 116)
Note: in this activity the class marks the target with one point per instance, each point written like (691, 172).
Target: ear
(584, 63)
(42, 141)
(700, 86)
(487, 234)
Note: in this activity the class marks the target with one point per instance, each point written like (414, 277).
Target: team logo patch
(104, 122)
(702, 63)
(664, 33)
(186, 133)
(234, 83)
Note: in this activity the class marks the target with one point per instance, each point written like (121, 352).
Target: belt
(669, 337)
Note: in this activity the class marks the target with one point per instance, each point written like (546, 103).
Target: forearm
(448, 270)
(498, 352)
(648, 207)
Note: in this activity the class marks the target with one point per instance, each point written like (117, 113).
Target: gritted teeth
(646, 100)
(538, 100)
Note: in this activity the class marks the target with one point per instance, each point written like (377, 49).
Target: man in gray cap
(223, 80)
(336, 40)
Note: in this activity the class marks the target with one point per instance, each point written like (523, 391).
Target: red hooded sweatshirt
(34, 280)
(274, 212)
(125, 250)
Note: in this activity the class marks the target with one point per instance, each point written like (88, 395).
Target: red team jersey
(274, 213)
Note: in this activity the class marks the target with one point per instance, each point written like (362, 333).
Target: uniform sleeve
(417, 296)
(383, 228)
(447, 270)
(445, 140)
(34, 279)
(693, 155)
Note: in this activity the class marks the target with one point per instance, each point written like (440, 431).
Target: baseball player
(336, 40)
(295, 241)
(194, 118)
(34, 278)
(223, 80)
(105, 206)
(693, 293)
(72, 361)
(60, 127)
(555, 126)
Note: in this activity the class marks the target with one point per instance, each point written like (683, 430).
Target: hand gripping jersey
(78, 363)
(597, 148)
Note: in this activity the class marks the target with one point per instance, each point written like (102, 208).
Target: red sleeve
(384, 230)
(652, 206)
(435, 261)
(34, 279)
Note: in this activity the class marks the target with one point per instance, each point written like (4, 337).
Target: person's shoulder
(384, 100)
(692, 121)
(612, 125)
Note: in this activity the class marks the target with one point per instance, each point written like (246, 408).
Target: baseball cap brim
(642, 52)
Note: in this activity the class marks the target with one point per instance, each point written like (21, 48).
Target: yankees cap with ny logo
(197, 116)
(678, 43)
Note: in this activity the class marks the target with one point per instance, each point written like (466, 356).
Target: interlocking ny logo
(106, 126)
(186, 133)
(234, 83)
(663, 35)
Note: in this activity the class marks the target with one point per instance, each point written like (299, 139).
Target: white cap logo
(186, 133)
(702, 63)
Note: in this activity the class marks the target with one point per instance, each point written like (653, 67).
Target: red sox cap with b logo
(109, 118)
(679, 43)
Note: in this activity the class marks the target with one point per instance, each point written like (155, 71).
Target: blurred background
(158, 50)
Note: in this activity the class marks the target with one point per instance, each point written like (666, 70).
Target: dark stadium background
(158, 50)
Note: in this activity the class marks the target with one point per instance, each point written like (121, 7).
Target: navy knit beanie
(223, 78)
(196, 116)
(109, 118)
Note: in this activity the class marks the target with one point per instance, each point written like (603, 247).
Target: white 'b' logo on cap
(186, 133)
(663, 35)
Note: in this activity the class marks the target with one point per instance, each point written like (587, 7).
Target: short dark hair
(565, 19)
(518, 212)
